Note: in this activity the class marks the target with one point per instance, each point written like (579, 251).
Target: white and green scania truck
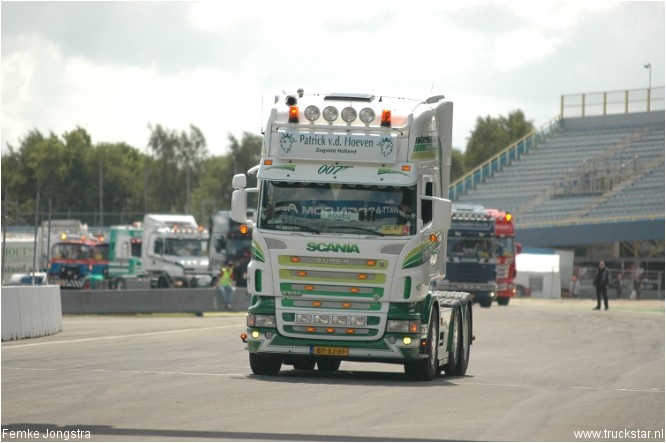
(350, 234)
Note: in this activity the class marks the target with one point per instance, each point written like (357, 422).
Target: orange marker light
(311, 329)
(243, 229)
(293, 114)
(295, 259)
(386, 118)
(371, 262)
(316, 304)
(406, 168)
(346, 305)
(309, 287)
(268, 162)
(302, 273)
(433, 238)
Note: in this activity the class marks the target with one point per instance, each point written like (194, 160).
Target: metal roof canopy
(585, 234)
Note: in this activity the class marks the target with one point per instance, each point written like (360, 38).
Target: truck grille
(329, 299)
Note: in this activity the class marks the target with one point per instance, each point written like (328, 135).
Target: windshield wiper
(279, 226)
(359, 228)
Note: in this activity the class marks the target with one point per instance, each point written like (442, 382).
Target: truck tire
(262, 364)
(503, 301)
(465, 343)
(427, 368)
(328, 364)
(454, 351)
(162, 282)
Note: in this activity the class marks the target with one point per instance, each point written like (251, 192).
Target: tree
(177, 157)
(457, 165)
(492, 135)
(214, 190)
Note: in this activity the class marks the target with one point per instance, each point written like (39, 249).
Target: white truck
(350, 233)
(125, 256)
(174, 251)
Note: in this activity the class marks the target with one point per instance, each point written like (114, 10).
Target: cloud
(115, 67)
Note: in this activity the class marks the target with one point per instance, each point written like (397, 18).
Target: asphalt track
(539, 371)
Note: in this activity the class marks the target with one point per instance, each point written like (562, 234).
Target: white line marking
(7, 346)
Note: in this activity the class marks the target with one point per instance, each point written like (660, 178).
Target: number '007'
(330, 169)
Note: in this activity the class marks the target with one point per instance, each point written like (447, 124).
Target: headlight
(303, 318)
(348, 114)
(403, 326)
(367, 115)
(358, 320)
(311, 113)
(322, 319)
(260, 321)
(330, 114)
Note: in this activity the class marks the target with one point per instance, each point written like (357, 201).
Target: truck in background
(349, 236)
(174, 251)
(227, 242)
(481, 254)
(53, 231)
(506, 249)
(78, 263)
(124, 255)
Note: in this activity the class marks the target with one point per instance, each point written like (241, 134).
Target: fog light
(407, 340)
(255, 334)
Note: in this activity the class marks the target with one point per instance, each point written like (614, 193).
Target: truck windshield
(469, 247)
(70, 251)
(186, 247)
(338, 208)
(504, 246)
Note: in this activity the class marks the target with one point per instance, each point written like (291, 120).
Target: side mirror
(441, 214)
(239, 181)
(519, 248)
(239, 206)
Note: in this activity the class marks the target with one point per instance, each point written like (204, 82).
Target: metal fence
(612, 102)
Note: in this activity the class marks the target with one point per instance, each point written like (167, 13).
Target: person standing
(225, 284)
(602, 282)
(574, 287)
(618, 284)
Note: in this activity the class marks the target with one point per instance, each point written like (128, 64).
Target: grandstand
(591, 183)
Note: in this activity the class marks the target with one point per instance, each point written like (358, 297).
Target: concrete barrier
(142, 301)
(30, 311)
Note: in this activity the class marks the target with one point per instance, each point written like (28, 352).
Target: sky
(114, 68)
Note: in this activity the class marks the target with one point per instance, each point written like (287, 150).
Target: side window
(426, 205)
(159, 246)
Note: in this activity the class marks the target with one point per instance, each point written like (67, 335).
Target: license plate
(331, 351)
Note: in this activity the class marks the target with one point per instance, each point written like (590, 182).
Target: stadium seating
(590, 170)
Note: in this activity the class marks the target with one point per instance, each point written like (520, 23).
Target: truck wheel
(486, 302)
(454, 351)
(328, 364)
(503, 301)
(427, 369)
(465, 343)
(162, 283)
(265, 364)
